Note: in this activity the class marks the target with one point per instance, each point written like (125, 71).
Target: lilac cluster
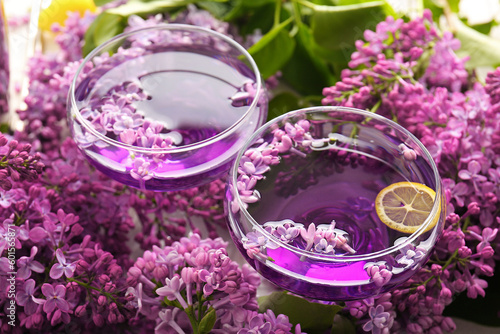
(69, 225)
(63, 278)
(194, 285)
(17, 163)
(410, 73)
(323, 239)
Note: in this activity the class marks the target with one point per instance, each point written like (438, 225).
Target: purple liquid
(320, 189)
(190, 96)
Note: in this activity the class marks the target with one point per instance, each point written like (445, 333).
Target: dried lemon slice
(404, 206)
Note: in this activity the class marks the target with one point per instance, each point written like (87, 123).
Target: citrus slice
(404, 206)
(58, 10)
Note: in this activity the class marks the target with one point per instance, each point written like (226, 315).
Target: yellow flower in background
(57, 11)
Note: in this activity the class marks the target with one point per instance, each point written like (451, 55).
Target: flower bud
(425, 322)
(98, 319)
(448, 325)
(82, 266)
(160, 273)
(414, 328)
(436, 269)
(487, 252)
(473, 208)
(13, 144)
(134, 272)
(101, 300)
(103, 279)
(435, 330)
(464, 252)
(81, 310)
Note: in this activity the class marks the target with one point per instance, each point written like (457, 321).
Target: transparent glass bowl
(301, 198)
(166, 107)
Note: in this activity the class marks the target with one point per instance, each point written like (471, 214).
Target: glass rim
(180, 149)
(436, 208)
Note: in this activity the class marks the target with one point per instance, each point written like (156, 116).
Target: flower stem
(277, 13)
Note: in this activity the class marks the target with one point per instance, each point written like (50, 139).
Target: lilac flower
(55, 298)
(171, 290)
(379, 273)
(167, 319)
(27, 264)
(131, 93)
(256, 325)
(309, 235)
(472, 173)
(62, 267)
(24, 297)
(488, 236)
(285, 232)
(458, 191)
(476, 287)
(142, 170)
(381, 321)
(125, 122)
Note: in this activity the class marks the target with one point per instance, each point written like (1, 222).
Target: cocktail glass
(166, 107)
(301, 205)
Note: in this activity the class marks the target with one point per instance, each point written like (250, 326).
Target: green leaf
(208, 321)
(138, 7)
(482, 49)
(336, 27)
(4, 128)
(102, 2)
(217, 9)
(261, 18)
(312, 317)
(305, 71)
(235, 10)
(257, 3)
(484, 28)
(273, 50)
(454, 5)
(343, 325)
(281, 104)
(104, 27)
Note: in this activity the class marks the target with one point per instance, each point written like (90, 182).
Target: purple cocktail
(301, 203)
(166, 108)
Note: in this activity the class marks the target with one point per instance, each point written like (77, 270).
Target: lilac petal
(49, 305)
(166, 291)
(37, 234)
(474, 167)
(22, 298)
(56, 271)
(60, 291)
(47, 290)
(33, 251)
(69, 270)
(464, 174)
(60, 256)
(29, 286)
(31, 307)
(62, 304)
(37, 266)
(23, 272)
